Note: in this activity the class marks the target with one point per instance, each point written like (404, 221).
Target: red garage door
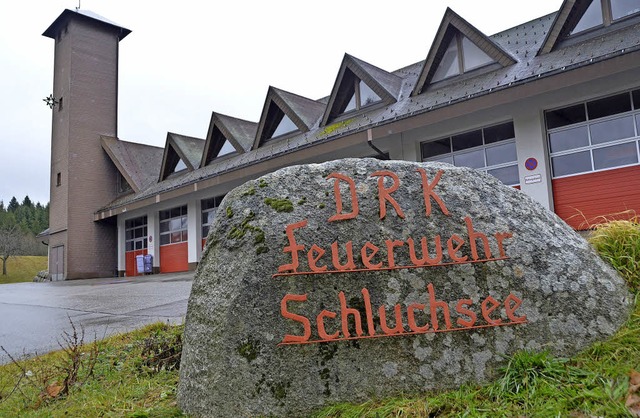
(174, 255)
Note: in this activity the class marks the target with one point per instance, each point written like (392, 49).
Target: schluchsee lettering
(382, 257)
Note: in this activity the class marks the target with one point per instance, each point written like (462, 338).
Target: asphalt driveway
(33, 316)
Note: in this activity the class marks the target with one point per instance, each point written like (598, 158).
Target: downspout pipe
(383, 155)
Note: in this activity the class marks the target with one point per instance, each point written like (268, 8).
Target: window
(135, 234)
(122, 186)
(361, 96)
(227, 148)
(604, 13)
(209, 208)
(461, 56)
(491, 149)
(596, 135)
(285, 126)
(180, 166)
(173, 225)
(58, 179)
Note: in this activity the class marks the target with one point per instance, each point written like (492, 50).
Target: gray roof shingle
(521, 42)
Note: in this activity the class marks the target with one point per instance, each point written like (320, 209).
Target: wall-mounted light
(51, 101)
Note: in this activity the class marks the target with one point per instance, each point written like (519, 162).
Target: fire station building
(551, 106)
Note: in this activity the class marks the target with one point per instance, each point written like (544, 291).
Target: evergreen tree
(27, 202)
(13, 204)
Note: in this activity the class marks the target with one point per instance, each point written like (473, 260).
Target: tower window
(58, 180)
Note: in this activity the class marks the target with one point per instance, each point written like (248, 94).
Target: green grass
(618, 242)
(124, 383)
(23, 268)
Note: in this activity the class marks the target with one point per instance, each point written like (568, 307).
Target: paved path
(33, 316)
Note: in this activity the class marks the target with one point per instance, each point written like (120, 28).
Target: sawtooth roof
(521, 43)
(139, 164)
(303, 112)
(185, 148)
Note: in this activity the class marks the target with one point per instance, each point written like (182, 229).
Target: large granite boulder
(362, 278)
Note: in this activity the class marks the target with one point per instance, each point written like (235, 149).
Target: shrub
(618, 243)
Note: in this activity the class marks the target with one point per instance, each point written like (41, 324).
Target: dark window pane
(207, 203)
(507, 175)
(615, 156)
(138, 233)
(204, 217)
(138, 245)
(570, 164)
(611, 130)
(565, 116)
(205, 231)
(609, 106)
(144, 243)
(622, 8)
(185, 236)
(468, 140)
(473, 159)
(351, 105)
(129, 246)
(128, 224)
(569, 139)
(500, 154)
(129, 234)
(448, 63)
(367, 96)
(592, 17)
(165, 239)
(175, 212)
(144, 230)
(176, 237)
(638, 123)
(499, 133)
(636, 99)
(164, 226)
(439, 147)
(165, 214)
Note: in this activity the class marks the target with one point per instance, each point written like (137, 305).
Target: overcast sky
(185, 59)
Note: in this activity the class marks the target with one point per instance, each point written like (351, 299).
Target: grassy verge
(131, 376)
(23, 268)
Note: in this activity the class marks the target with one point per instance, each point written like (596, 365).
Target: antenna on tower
(78, 8)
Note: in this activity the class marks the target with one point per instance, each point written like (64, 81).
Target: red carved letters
(469, 245)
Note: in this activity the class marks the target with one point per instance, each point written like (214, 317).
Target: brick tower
(83, 179)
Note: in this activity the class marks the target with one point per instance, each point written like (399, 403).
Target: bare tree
(10, 244)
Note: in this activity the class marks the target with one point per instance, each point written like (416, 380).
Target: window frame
(134, 240)
(483, 147)
(183, 230)
(459, 37)
(607, 19)
(217, 200)
(633, 113)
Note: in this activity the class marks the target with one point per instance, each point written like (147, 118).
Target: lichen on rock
(390, 277)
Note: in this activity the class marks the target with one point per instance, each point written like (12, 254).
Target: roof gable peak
(359, 84)
(226, 135)
(180, 148)
(284, 113)
(456, 41)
